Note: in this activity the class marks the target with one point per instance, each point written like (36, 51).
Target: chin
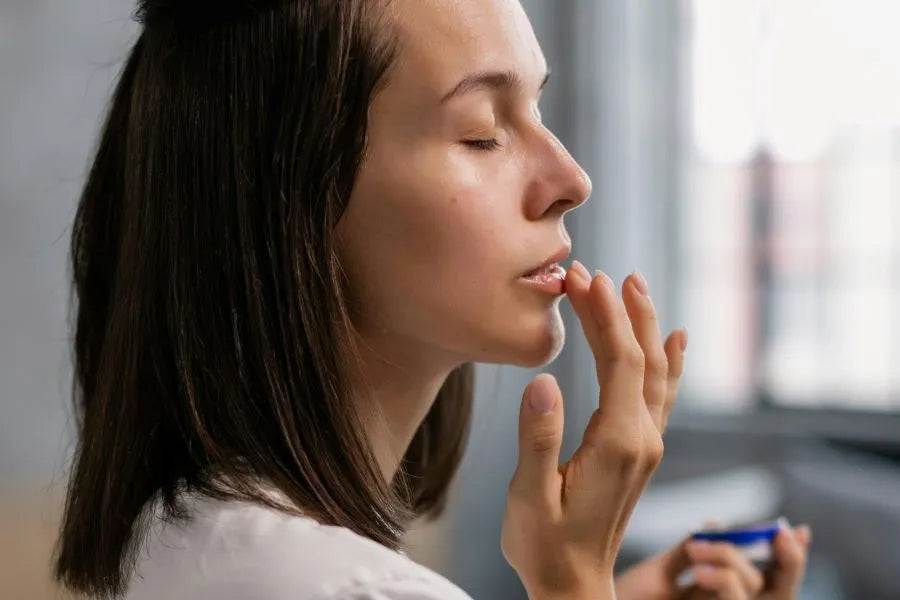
(532, 347)
(546, 350)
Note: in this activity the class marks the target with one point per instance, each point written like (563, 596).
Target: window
(790, 212)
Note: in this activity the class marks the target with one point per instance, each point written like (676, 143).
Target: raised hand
(564, 523)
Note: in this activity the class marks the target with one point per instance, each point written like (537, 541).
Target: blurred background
(745, 156)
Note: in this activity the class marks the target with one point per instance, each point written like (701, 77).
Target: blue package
(740, 536)
(754, 542)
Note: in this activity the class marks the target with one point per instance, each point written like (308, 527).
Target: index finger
(617, 354)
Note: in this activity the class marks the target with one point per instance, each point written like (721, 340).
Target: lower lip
(551, 282)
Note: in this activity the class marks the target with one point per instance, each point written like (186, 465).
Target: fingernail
(580, 270)
(783, 523)
(684, 339)
(640, 282)
(606, 278)
(541, 398)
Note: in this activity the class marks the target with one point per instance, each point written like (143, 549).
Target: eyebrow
(494, 80)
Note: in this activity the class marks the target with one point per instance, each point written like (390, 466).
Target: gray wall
(57, 62)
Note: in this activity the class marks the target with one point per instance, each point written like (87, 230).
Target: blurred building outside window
(789, 214)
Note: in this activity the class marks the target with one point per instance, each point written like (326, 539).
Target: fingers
(618, 356)
(577, 284)
(675, 346)
(628, 329)
(726, 556)
(724, 582)
(642, 315)
(676, 559)
(540, 437)
(791, 549)
(804, 535)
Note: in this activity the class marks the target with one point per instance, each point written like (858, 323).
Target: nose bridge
(564, 181)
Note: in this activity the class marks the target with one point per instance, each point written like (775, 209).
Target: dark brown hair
(213, 335)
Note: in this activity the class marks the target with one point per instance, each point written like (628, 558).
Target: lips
(542, 271)
(551, 264)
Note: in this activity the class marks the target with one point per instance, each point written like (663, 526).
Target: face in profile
(459, 195)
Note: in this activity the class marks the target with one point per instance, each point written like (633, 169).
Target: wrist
(601, 590)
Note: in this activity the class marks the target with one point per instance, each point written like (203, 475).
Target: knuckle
(632, 359)
(627, 450)
(543, 441)
(655, 451)
(658, 364)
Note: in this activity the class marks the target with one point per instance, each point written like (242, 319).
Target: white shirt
(232, 550)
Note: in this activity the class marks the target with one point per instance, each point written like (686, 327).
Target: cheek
(422, 242)
(456, 251)
(464, 295)
(436, 257)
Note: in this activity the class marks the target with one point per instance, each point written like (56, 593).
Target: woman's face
(440, 228)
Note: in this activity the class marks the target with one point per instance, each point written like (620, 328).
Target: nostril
(564, 205)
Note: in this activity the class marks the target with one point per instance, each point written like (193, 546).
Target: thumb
(790, 565)
(540, 439)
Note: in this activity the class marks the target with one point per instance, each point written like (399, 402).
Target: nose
(559, 184)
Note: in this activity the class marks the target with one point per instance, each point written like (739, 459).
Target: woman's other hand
(791, 554)
(720, 572)
(564, 523)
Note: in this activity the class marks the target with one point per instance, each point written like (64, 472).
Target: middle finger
(605, 322)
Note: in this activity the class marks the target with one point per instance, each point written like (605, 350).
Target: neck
(401, 381)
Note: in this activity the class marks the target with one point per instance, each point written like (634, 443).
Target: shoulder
(400, 586)
(231, 550)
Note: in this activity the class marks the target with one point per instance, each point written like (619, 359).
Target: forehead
(444, 40)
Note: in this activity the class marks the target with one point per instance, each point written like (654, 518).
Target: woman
(305, 220)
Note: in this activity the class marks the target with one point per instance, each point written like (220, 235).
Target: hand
(720, 571)
(564, 523)
(791, 552)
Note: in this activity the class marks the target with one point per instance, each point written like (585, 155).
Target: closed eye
(484, 145)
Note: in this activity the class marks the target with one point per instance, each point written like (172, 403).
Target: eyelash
(483, 145)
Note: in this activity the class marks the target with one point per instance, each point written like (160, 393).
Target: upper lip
(559, 255)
